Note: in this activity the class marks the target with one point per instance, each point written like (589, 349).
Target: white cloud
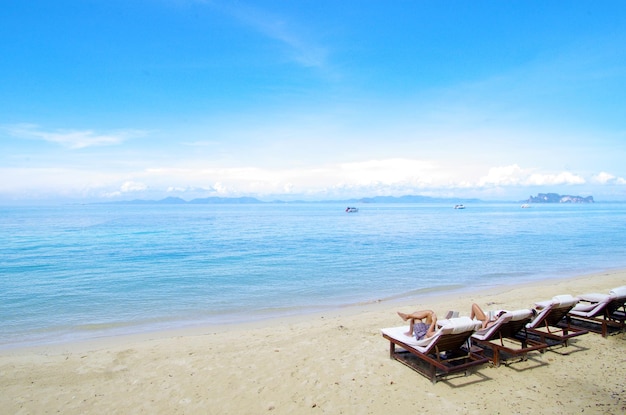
(514, 175)
(73, 139)
(503, 176)
(126, 188)
(188, 189)
(130, 187)
(608, 178)
(554, 179)
(381, 176)
(603, 177)
(394, 176)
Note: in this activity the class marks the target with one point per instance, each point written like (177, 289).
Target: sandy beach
(331, 363)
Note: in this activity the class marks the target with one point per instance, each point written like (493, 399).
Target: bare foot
(403, 316)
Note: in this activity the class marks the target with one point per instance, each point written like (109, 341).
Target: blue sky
(498, 100)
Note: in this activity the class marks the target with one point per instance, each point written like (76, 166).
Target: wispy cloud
(72, 139)
(301, 49)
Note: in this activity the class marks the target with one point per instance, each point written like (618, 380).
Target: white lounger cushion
(590, 309)
(618, 292)
(540, 305)
(597, 302)
(545, 307)
(460, 325)
(519, 314)
(563, 300)
(452, 326)
(594, 297)
(585, 307)
(516, 315)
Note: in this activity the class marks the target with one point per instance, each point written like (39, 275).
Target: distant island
(557, 198)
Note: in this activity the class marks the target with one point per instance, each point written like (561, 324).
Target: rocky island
(557, 198)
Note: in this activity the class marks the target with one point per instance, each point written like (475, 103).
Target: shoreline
(262, 317)
(441, 294)
(330, 362)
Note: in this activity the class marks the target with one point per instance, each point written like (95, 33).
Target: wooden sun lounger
(549, 322)
(440, 355)
(598, 312)
(508, 335)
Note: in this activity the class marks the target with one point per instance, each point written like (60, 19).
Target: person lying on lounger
(487, 319)
(422, 323)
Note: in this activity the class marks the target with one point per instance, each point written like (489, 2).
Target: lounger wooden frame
(513, 332)
(551, 327)
(431, 364)
(612, 315)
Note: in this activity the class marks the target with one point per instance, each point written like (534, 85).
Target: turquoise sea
(84, 271)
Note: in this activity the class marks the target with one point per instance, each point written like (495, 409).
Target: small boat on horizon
(459, 206)
(351, 209)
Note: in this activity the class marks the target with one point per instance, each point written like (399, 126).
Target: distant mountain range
(540, 198)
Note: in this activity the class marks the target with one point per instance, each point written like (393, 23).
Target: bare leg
(479, 314)
(433, 325)
(411, 324)
(420, 315)
(429, 315)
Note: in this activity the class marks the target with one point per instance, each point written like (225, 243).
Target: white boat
(459, 206)
(525, 206)
(352, 209)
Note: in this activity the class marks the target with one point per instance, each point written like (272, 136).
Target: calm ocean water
(77, 272)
